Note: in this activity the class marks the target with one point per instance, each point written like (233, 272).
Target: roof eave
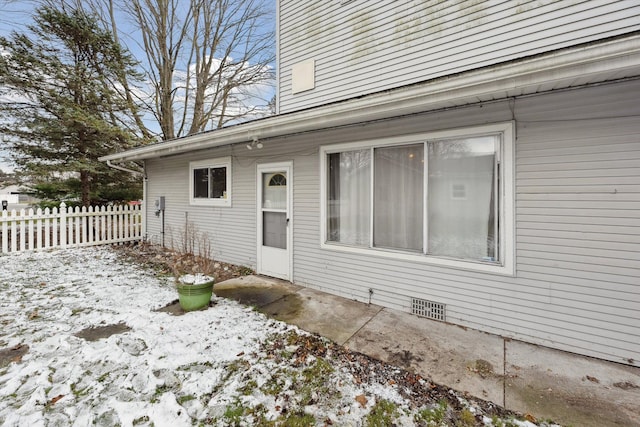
(559, 69)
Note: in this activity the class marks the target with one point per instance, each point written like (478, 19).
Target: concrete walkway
(546, 383)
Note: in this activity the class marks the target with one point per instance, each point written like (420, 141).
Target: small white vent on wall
(430, 309)
(303, 76)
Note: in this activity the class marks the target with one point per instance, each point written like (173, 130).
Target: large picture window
(210, 182)
(444, 197)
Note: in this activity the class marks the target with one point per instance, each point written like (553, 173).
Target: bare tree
(202, 58)
(127, 92)
(207, 63)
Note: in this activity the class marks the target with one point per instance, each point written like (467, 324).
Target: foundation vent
(430, 309)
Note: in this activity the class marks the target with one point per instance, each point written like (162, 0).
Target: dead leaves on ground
(362, 400)
(55, 399)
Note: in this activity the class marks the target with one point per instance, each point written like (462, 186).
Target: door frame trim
(274, 167)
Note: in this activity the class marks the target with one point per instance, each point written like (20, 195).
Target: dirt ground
(166, 261)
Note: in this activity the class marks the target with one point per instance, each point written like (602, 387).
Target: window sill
(211, 202)
(504, 269)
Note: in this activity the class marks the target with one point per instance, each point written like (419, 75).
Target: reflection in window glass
(210, 183)
(201, 183)
(458, 191)
(218, 183)
(461, 198)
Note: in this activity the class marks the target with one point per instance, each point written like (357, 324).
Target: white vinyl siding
(364, 47)
(230, 229)
(576, 283)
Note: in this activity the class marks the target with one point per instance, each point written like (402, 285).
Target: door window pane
(462, 198)
(274, 190)
(398, 197)
(349, 197)
(274, 229)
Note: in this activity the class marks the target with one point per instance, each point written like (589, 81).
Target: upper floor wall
(339, 49)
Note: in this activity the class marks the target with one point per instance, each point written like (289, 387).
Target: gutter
(123, 169)
(594, 61)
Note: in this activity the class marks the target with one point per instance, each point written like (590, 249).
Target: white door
(274, 220)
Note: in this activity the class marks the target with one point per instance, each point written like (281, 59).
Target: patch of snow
(50, 296)
(194, 279)
(166, 370)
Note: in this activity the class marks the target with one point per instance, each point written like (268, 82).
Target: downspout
(144, 201)
(144, 191)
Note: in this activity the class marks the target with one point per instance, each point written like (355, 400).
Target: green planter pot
(194, 297)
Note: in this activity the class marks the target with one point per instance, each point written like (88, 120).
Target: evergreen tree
(60, 104)
(4, 178)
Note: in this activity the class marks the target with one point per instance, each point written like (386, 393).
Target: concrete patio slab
(256, 291)
(547, 383)
(571, 389)
(332, 317)
(463, 359)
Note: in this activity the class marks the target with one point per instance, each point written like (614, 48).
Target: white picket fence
(65, 227)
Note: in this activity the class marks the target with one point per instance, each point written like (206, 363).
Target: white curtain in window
(349, 198)
(461, 197)
(398, 197)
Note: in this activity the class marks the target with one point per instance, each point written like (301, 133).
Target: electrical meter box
(159, 203)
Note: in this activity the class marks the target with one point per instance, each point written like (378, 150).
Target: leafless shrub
(192, 252)
(188, 238)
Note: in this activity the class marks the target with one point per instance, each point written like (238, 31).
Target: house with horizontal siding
(476, 163)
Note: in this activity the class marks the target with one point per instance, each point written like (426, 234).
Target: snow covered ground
(226, 365)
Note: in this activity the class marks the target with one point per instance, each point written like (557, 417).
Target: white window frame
(211, 164)
(506, 263)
